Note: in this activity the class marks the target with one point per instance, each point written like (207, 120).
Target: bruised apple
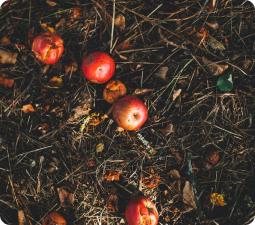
(141, 211)
(130, 112)
(114, 90)
(98, 67)
(54, 218)
(48, 47)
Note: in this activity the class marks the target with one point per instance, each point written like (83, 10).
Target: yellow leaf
(217, 199)
(27, 108)
(56, 82)
(100, 147)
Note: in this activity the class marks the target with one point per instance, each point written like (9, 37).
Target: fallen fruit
(48, 47)
(54, 218)
(98, 67)
(130, 113)
(114, 90)
(141, 211)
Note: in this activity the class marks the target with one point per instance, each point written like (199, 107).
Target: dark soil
(55, 147)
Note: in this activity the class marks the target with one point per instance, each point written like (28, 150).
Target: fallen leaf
(112, 203)
(213, 25)
(5, 40)
(112, 176)
(168, 129)
(90, 163)
(215, 44)
(75, 13)
(51, 3)
(71, 67)
(60, 23)
(47, 27)
(66, 198)
(56, 82)
(7, 57)
(142, 91)
(120, 22)
(176, 94)
(203, 35)
(217, 199)
(175, 174)
(82, 110)
(212, 158)
(188, 195)
(21, 217)
(6, 82)
(162, 72)
(100, 147)
(215, 69)
(152, 181)
(28, 108)
(247, 64)
(43, 128)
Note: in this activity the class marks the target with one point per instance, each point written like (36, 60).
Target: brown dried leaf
(28, 108)
(152, 181)
(56, 82)
(168, 129)
(215, 44)
(90, 163)
(176, 94)
(215, 69)
(120, 22)
(6, 82)
(162, 72)
(75, 13)
(21, 217)
(5, 40)
(112, 203)
(7, 57)
(142, 91)
(71, 67)
(112, 176)
(175, 174)
(82, 109)
(66, 198)
(189, 196)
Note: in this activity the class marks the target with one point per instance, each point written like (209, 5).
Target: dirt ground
(60, 149)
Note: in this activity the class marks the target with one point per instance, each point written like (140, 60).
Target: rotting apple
(114, 90)
(48, 47)
(141, 211)
(98, 67)
(54, 218)
(130, 112)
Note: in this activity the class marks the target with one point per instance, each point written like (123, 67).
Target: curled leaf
(56, 82)
(66, 198)
(217, 199)
(112, 176)
(176, 94)
(100, 147)
(7, 57)
(120, 22)
(28, 108)
(188, 195)
(215, 69)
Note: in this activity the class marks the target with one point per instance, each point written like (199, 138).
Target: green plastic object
(225, 83)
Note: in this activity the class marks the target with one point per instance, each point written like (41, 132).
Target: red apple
(114, 90)
(54, 218)
(130, 112)
(98, 67)
(141, 211)
(48, 47)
